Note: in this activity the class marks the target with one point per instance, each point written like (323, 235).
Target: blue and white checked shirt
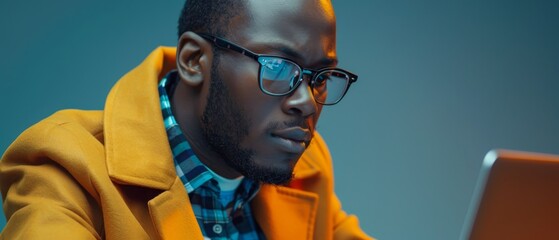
(234, 221)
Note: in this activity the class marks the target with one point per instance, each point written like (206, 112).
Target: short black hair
(208, 16)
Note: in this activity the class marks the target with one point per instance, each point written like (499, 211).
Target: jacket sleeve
(42, 197)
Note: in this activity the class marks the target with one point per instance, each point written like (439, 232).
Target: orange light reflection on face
(328, 11)
(328, 8)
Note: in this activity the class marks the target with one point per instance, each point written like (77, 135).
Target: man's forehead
(295, 4)
(312, 16)
(301, 27)
(312, 8)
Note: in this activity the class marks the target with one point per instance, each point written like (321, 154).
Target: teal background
(440, 84)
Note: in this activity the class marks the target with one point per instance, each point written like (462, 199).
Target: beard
(225, 126)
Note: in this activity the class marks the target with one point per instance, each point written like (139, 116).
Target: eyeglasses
(279, 76)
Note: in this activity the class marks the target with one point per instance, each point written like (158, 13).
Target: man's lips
(297, 134)
(293, 139)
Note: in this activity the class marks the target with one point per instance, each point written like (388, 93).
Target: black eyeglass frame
(226, 44)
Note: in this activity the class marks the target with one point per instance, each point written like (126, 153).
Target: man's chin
(274, 179)
(268, 175)
(273, 168)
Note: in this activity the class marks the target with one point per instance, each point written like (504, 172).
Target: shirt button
(217, 229)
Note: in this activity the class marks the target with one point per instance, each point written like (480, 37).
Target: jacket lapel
(288, 212)
(285, 213)
(172, 214)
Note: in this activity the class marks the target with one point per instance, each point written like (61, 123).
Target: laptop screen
(516, 197)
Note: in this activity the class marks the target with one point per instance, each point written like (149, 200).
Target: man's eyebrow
(292, 54)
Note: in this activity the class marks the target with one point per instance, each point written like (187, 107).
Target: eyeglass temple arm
(222, 43)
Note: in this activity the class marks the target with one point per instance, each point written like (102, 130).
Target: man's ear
(194, 56)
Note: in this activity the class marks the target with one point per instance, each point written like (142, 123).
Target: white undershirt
(227, 187)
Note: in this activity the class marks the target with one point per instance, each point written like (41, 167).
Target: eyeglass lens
(279, 76)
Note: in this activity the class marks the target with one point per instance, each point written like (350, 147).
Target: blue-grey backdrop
(441, 83)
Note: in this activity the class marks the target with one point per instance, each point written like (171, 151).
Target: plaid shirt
(234, 221)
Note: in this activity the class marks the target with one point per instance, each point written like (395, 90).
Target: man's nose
(301, 101)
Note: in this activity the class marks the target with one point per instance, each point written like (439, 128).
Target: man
(216, 141)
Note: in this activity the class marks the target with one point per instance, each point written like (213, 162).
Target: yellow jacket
(110, 175)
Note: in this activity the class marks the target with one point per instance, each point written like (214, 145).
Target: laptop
(516, 197)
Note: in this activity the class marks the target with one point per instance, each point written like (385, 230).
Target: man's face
(263, 136)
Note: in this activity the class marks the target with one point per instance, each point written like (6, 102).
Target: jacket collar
(136, 144)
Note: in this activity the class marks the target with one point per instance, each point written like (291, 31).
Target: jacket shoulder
(65, 132)
(51, 171)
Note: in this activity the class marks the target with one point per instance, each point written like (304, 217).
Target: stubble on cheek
(226, 128)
